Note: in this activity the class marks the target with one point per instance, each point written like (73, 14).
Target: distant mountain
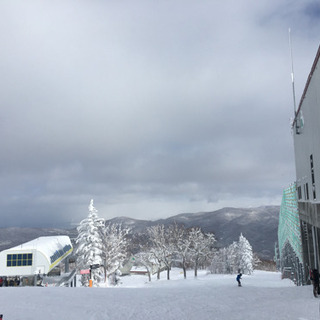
(258, 225)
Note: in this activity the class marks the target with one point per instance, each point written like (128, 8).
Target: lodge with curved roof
(38, 256)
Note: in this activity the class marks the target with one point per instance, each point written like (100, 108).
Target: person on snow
(16, 282)
(315, 280)
(239, 278)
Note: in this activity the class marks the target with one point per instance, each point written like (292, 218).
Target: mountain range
(259, 225)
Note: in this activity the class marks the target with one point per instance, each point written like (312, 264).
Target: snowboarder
(239, 278)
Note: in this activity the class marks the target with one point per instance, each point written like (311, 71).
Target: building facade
(289, 255)
(38, 256)
(306, 136)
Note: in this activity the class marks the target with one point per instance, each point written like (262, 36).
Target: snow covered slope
(264, 296)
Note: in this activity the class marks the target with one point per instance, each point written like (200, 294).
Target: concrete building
(306, 135)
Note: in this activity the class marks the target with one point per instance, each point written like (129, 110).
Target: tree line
(108, 246)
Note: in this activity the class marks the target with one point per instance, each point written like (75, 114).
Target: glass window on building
(19, 260)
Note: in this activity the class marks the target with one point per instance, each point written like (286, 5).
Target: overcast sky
(151, 108)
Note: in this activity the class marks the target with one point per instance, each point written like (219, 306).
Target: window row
(19, 260)
(306, 186)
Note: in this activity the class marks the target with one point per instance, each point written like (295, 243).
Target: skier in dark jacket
(315, 280)
(239, 278)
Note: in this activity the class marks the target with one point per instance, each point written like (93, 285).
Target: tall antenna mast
(292, 77)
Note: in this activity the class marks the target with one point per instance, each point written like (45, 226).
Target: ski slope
(263, 296)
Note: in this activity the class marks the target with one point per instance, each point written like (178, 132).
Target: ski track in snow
(264, 296)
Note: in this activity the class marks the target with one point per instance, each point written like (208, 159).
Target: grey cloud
(149, 108)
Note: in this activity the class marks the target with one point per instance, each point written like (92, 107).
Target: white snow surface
(263, 296)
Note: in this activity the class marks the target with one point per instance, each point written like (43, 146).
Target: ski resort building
(36, 257)
(306, 136)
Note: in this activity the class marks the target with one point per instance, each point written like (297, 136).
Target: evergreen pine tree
(245, 255)
(89, 244)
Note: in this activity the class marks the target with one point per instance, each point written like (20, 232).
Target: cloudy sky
(151, 108)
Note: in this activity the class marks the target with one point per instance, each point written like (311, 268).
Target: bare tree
(220, 263)
(162, 247)
(233, 257)
(146, 259)
(181, 245)
(201, 247)
(114, 248)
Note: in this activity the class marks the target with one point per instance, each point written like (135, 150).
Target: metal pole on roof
(292, 76)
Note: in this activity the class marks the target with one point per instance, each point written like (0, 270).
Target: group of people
(15, 282)
(9, 282)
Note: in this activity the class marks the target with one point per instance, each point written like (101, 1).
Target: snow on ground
(263, 296)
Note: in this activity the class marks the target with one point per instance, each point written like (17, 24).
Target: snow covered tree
(181, 246)
(220, 262)
(161, 248)
(236, 257)
(256, 261)
(89, 244)
(240, 256)
(147, 260)
(114, 248)
(233, 257)
(201, 247)
(245, 255)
